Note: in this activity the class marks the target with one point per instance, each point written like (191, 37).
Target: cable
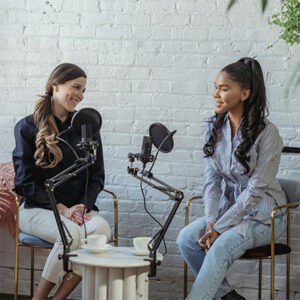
(145, 207)
(64, 141)
(156, 154)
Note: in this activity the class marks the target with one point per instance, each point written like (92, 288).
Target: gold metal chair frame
(33, 247)
(272, 256)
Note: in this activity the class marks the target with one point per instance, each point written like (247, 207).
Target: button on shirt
(30, 179)
(230, 197)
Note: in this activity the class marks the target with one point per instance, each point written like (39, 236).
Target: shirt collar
(239, 130)
(68, 119)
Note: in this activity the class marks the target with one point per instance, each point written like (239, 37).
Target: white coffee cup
(95, 241)
(141, 243)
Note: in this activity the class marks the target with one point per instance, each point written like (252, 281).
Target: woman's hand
(209, 237)
(74, 213)
(207, 244)
(209, 226)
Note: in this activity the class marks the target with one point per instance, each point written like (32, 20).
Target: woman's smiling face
(68, 94)
(229, 95)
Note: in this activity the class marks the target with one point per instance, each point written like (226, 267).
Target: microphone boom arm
(171, 192)
(50, 184)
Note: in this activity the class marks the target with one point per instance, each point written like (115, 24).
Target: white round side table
(117, 274)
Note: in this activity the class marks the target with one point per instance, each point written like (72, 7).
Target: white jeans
(41, 223)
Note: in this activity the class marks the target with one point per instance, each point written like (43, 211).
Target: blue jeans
(211, 268)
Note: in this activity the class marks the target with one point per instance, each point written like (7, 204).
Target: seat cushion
(33, 240)
(265, 251)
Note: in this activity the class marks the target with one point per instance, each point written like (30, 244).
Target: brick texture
(147, 61)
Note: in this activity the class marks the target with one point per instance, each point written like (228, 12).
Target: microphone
(160, 137)
(86, 116)
(145, 154)
(146, 146)
(86, 133)
(85, 124)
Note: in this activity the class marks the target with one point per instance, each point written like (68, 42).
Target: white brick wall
(147, 61)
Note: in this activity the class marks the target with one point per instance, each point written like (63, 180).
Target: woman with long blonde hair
(37, 156)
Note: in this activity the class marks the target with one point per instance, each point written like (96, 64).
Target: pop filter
(158, 133)
(86, 116)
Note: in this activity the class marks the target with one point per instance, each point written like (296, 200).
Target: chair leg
(288, 260)
(185, 281)
(272, 296)
(259, 278)
(32, 272)
(16, 270)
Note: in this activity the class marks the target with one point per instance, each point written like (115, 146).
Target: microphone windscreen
(158, 133)
(88, 116)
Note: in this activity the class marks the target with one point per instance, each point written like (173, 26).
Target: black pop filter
(158, 133)
(86, 116)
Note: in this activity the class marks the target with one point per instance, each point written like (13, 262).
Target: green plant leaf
(230, 4)
(263, 4)
(288, 20)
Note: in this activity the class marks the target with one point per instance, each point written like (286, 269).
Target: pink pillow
(8, 207)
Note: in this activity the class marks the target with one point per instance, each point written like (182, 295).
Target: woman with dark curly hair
(242, 154)
(38, 156)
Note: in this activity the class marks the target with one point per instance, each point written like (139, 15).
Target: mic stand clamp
(79, 165)
(173, 194)
(144, 158)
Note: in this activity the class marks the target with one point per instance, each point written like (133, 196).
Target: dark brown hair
(48, 154)
(247, 73)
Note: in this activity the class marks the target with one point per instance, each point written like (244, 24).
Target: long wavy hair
(48, 154)
(247, 73)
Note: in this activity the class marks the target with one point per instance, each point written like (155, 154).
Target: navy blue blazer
(30, 178)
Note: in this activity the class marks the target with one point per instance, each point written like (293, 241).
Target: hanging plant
(289, 21)
(263, 4)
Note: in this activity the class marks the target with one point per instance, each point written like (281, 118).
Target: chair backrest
(291, 189)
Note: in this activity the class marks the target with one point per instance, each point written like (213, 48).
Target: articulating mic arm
(173, 193)
(79, 165)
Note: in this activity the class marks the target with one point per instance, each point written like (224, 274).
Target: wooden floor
(11, 297)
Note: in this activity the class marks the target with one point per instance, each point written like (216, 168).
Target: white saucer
(139, 253)
(96, 250)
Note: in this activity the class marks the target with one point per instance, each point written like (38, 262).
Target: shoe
(233, 295)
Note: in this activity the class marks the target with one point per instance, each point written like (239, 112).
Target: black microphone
(146, 146)
(86, 116)
(160, 137)
(86, 133)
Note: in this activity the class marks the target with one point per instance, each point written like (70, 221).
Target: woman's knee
(182, 237)
(192, 232)
(186, 236)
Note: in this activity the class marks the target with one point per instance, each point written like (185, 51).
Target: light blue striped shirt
(230, 197)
